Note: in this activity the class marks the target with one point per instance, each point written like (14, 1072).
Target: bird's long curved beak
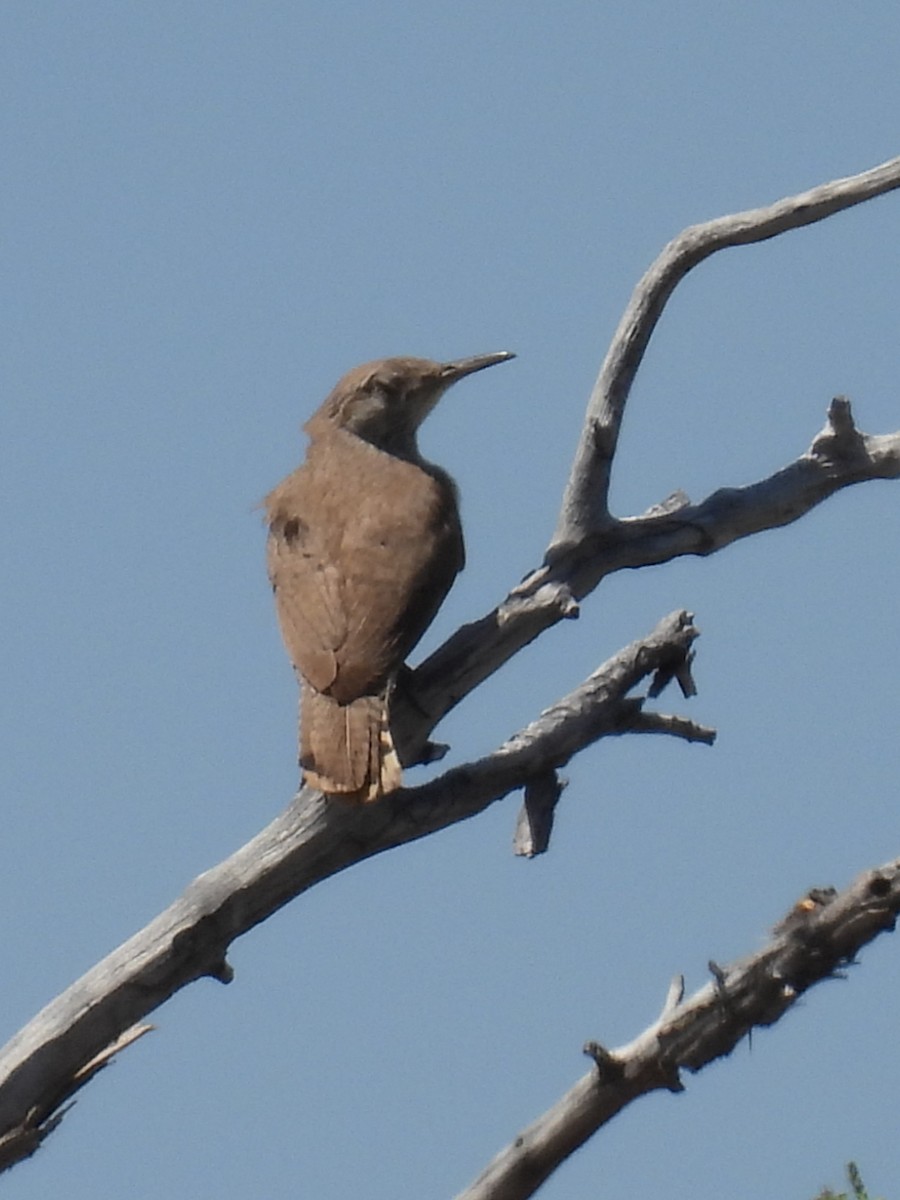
(452, 371)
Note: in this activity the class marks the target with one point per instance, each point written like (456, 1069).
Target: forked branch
(821, 934)
(63, 1046)
(585, 507)
(840, 455)
(589, 543)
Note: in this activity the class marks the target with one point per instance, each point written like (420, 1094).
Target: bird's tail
(346, 750)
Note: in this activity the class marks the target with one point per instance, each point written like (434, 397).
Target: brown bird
(364, 543)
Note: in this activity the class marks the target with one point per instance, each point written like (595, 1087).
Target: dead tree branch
(840, 455)
(589, 543)
(585, 508)
(64, 1045)
(821, 934)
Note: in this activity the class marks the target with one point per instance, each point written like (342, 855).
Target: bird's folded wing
(306, 584)
(363, 547)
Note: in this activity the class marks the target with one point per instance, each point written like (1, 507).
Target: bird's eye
(387, 389)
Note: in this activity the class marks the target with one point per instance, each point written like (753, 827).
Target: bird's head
(384, 402)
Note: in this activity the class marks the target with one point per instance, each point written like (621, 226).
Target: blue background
(211, 210)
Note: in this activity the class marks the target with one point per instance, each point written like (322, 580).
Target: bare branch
(839, 456)
(674, 726)
(22, 1140)
(822, 933)
(585, 508)
(534, 823)
(66, 1043)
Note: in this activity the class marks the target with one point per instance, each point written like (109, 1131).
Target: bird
(364, 543)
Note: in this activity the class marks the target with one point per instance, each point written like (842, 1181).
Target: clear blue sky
(210, 212)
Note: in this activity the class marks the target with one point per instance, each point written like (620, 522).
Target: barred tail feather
(346, 750)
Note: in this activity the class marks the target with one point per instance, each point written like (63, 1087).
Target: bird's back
(363, 547)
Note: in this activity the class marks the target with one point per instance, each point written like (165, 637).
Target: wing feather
(363, 548)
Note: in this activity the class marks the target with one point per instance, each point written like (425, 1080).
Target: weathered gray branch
(839, 456)
(588, 542)
(585, 508)
(57, 1052)
(534, 823)
(822, 933)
